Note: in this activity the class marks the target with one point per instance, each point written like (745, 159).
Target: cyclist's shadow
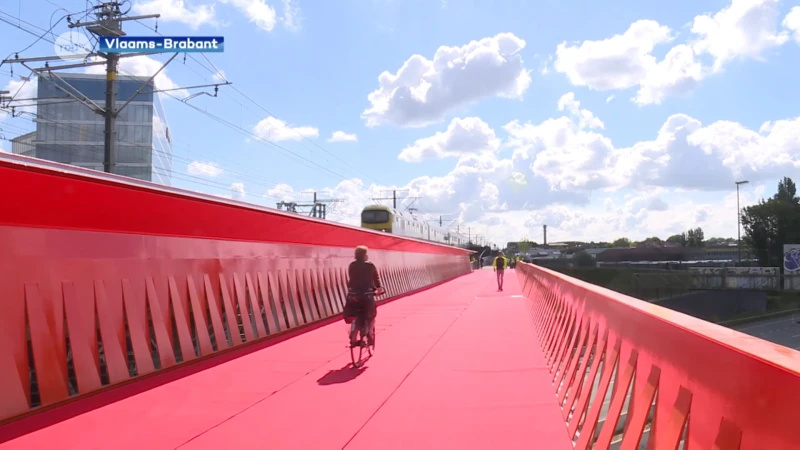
(339, 376)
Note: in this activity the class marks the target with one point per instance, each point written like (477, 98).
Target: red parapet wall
(712, 386)
(103, 281)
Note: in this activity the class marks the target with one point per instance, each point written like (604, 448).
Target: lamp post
(739, 219)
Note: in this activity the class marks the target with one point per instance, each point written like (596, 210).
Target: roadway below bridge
(782, 331)
(457, 366)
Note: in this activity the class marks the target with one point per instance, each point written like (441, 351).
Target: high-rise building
(23, 144)
(68, 131)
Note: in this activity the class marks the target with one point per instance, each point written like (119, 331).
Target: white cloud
(566, 173)
(275, 130)
(209, 169)
(282, 192)
(145, 66)
(743, 29)
(465, 136)
(341, 136)
(792, 23)
(257, 11)
(610, 98)
(678, 73)
(291, 19)
(182, 11)
(587, 119)
(423, 91)
(237, 191)
(619, 62)
(625, 60)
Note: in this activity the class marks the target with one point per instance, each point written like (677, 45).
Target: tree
(651, 242)
(772, 223)
(583, 259)
(719, 242)
(524, 245)
(622, 242)
(679, 239)
(695, 237)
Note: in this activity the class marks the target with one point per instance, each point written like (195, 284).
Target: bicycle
(365, 341)
(366, 337)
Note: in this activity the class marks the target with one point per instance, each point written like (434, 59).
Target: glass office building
(68, 131)
(23, 145)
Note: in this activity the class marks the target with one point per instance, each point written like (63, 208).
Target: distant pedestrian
(500, 263)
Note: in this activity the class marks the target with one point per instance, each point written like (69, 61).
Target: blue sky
(601, 119)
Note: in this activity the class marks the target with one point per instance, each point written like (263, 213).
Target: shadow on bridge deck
(457, 366)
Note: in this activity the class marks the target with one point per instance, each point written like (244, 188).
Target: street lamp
(739, 219)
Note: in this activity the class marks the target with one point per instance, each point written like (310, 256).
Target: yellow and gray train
(388, 220)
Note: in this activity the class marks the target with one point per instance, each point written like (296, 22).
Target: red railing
(711, 387)
(104, 279)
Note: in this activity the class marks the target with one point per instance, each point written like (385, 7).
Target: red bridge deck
(457, 366)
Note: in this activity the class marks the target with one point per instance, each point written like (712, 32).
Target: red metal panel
(742, 392)
(637, 415)
(291, 301)
(199, 314)
(82, 331)
(80, 200)
(112, 327)
(569, 373)
(574, 389)
(182, 319)
(277, 303)
(310, 309)
(581, 407)
(229, 312)
(267, 293)
(240, 305)
(570, 354)
(255, 306)
(166, 351)
(49, 368)
(318, 279)
(316, 292)
(213, 310)
(336, 286)
(391, 274)
(137, 327)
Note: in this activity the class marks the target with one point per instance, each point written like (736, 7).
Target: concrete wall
(710, 305)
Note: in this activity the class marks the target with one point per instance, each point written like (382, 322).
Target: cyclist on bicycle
(363, 284)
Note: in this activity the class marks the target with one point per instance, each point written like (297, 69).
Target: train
(389, 220)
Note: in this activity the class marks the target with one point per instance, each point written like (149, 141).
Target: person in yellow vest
(474, 262)
(500, 263)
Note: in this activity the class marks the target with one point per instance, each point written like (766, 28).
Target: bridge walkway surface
(457, 366)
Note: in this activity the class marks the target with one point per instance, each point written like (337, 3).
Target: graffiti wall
(766, 278)
(791, 267)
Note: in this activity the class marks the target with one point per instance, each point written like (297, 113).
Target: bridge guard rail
(712, 387)
(104, 280)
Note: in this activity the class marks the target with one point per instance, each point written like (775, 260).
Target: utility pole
(319, 208)
(393, 198)
(109, 18)
(109, 24)
(545, 235)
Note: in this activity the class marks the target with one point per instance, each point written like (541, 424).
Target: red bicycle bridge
(137, 316)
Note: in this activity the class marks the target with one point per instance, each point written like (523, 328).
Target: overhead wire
(217, 72)
(180, 176)
(292, 155)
